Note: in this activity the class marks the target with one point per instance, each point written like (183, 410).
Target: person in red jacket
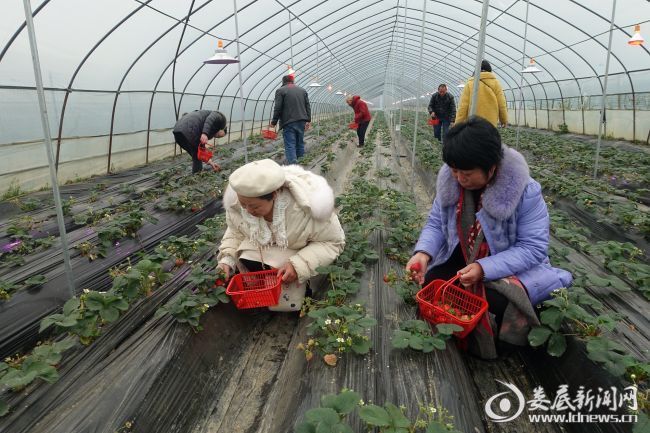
(361, 116)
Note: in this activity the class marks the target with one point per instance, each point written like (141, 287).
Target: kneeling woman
(282, 217)
(489, 223)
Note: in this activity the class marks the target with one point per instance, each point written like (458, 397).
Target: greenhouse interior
(325, 216)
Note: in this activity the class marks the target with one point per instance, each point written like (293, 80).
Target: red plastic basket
(434, 121)
(203, 154)
(255, 289)
(269, 134)
(353, 125)
(432, 298)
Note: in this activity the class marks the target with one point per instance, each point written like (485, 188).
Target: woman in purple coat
(489, 223)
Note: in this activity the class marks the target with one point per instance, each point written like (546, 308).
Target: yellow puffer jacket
(491, 100)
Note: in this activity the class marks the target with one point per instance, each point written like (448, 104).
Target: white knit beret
(257, 178)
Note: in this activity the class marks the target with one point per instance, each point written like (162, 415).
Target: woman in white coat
(286, 214)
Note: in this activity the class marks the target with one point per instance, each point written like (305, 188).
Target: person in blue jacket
(489, 224)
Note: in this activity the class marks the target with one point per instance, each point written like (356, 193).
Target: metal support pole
(417, 96)
(604, 100)
(48, 146)
(479, 58)
(290, 37)
(401, 95)
(521, 76)
(241, 88)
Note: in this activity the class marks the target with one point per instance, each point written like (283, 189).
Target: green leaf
(36, 280)
(94, 301)
(436, 427)
(109, 314)
(556, 344)
(4, 408)
(343, 403)
(642, 424)
(322, 415)
(367, 322)
(401, 339)
(306, 427)
(552, 317)
(448, 328)
(71, 305)
(598, 281)
(398, 418)
(439, 343)
(415, 342)
(361, 346)
(374, 415)
(538, 335)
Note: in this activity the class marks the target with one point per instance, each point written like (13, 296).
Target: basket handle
(447, 284)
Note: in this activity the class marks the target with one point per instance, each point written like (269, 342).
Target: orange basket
(434, 121)
(353, 125)
(269, 134)
(442, 302)
(203, 154)
(255, 289)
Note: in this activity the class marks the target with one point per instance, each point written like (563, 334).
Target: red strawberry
(386, 278)
(194, 208)
(416, 267)
(179, 262)
(219, 282)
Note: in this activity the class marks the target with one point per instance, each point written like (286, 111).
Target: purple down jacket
(515, 222)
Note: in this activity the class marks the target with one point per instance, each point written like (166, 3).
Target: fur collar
(310, 191)
(502, 196)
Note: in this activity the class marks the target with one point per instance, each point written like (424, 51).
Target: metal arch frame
(78, 69)
(20, 29)
(532, 42)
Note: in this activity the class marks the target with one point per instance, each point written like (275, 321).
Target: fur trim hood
(310, 191)
(502, 196)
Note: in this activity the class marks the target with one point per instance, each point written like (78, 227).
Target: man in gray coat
(195, 129)
(293, 111)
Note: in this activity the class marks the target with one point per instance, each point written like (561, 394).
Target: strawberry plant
(19, 371)
(405, 287)
(331, 416)
(336, 330)
(139, 280)
(190, 304)
(417, 335)
(7, 289)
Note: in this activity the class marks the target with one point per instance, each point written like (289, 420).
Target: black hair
(442, 85)
(223, 122)
(485, 66)
(267, 197)
(475, 143)
(287, 79)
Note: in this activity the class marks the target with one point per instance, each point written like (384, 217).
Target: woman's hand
(204, 139)
(288, 273)
(215, 167)
(471, 274)
(417, 266)
(226, 270)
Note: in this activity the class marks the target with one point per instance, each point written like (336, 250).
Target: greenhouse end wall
(620, 123)
(24, 164)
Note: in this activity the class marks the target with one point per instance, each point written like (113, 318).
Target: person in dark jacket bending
(293, 111)
(195, 129)
(361, 116)
(443, 108)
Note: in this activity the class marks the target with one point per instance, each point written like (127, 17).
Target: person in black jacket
(195, 129)
(443, 108)
(293, 111)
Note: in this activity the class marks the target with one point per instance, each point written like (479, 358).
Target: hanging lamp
(329, 87)
(636, 39)
(338, 92)
(221, 56)
(531, 68)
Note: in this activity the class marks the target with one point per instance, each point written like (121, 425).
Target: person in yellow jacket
(282, 217)
(491, 99)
